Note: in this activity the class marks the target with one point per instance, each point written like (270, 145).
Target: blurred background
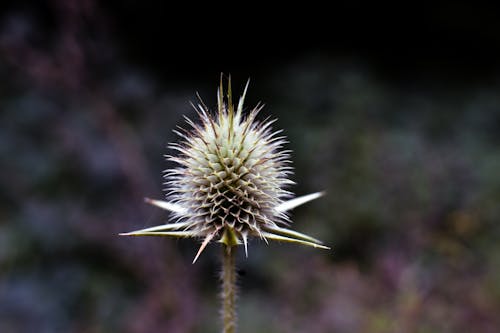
(395, 113)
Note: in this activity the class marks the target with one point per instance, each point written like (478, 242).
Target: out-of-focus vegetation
(411, 170)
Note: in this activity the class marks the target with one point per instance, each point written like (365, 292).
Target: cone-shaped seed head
(231, 179)
(231, 173)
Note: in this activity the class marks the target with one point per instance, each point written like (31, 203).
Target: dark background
(394, 111)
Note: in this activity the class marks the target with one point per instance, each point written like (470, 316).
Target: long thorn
(159, 233)
(292, 233)
(294, 240)
(166, 205)
(163, 227)
(245, 243)
(203, 245)
(290, 204)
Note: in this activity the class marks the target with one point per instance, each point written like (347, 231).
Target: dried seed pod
(231, 180)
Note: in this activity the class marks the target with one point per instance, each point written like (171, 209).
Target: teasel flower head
(231, 180)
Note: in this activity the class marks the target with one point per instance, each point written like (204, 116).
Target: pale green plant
(229, 185)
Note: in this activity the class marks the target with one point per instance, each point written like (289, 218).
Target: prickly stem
(229, 289)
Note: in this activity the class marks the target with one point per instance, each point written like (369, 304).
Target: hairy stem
(229, 289)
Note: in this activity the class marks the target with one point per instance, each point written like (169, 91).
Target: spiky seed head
(231, 179)
(231, 174)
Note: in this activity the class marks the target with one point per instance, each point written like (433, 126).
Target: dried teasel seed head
(231, 180)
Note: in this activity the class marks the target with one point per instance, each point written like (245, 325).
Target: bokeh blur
(396, 116)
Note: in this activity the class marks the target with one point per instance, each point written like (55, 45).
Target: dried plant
(229, 185)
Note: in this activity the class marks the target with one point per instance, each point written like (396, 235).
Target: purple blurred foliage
(75, 172)
(411, 173)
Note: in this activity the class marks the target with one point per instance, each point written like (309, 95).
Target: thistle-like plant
(230, 184)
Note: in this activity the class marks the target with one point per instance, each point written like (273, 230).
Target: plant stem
(229, 288)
